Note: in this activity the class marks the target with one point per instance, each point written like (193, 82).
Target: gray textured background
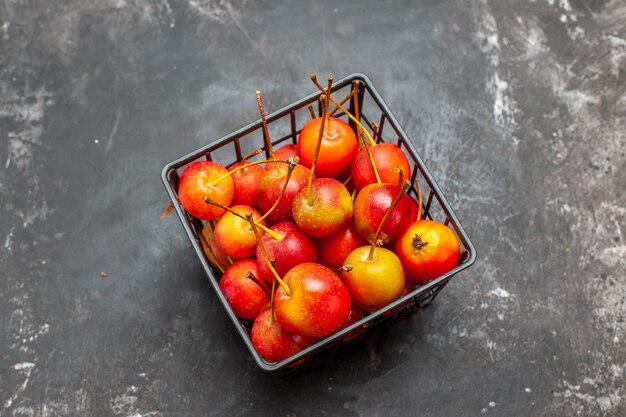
(518, 108)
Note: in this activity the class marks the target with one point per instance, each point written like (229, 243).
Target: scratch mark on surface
(27, 368)
(118, 116)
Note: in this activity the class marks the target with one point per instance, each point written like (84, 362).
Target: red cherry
(428, 249)
(292, 249)
(370, 207)
(272, 342)
(271, 186)
(318, 302)
(245, 296)
(234, 235)
(246, 182)
(338, 148)
(201, 179)
(335, 249)
(283, 153)
(387, 156)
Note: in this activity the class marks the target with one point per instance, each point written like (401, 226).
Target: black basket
(284, 124)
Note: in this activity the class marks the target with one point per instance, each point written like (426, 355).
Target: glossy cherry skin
(246, 182)
(246, 297)
(283, 153)
(428, 249)
(272, 342)
(414, 208)
(373, 283)
(370, 206)
(334, 249)
(271, 186)
(319, 302)
(294, 248)
(330, 211)
(196, 184)
(234, 235)
(387, 156)
(338, 149)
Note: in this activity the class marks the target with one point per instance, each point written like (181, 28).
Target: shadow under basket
(285, 125)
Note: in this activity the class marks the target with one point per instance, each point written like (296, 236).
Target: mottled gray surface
(519, 109)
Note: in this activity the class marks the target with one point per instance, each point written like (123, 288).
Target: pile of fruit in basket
(319, 234)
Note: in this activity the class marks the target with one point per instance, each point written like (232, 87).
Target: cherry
(234, 235)
(387, 157)
(272, 342)
(374, 275)
(314, 302)
(370, 207)
(428, 249)
(292, 247)
(338, 143)
(284, 152)
(334, 249)
(277, 190)
(246, 178)
(205, 179)
(246, 295)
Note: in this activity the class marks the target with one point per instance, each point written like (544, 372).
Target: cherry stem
(371, 158)
(267, 230)
(211, 255)
(239, 168)
(374, 131)
(272, 300)
(250, 155)
(265, 257)
(419, 198)
(403, 190)
(254, 279)
(167, 211)
(400, 172)
(343, 101)
(343, 109)
(357, 114)
(311, 111)
(320, 136)
(293, 161)
(327, 102)
(347, 180)
(266, 133)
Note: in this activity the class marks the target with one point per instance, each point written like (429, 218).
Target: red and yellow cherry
(246, 295)
(373, 281)
(272, 342)
(322, 209)
(334, 249)
(313, 302)
(292, 248)
(370, 207)
(428, 249)
(374, 275)
(338, 149)
(387, 157)
(271, 190)
(213, 252)
(203, 179)
(283, 153)
(234, 235)
(246, 180)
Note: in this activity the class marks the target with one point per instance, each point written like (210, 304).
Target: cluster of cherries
(319, 234)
